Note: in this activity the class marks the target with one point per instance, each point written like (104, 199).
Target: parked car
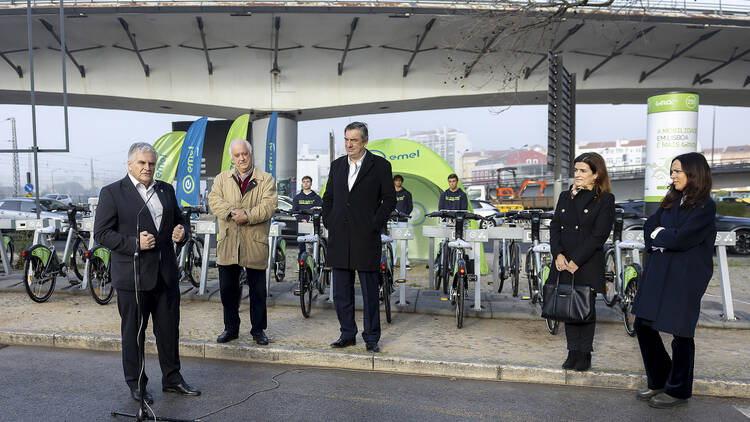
(486, 209)
(25, 209)
(739, 225)
(290, 231)
(65, 199)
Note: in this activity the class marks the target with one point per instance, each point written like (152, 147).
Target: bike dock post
(273, 233)
(87, 224)
(724, 239)
(5, 225)
(36, 226)
(206, 228)
(402, 235)
(497, 234)
(435, 232)
(477, 237)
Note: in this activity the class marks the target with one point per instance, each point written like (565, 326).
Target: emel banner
(237, 131)
(168, 155)
(271, 145)
(189, 169)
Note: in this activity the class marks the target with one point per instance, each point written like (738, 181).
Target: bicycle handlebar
(309, 211)
(398, 214)
(527, 214)
(456, 213)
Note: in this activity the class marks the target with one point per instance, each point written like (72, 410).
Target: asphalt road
(53, 384)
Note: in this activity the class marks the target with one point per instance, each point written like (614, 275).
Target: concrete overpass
(327, 59)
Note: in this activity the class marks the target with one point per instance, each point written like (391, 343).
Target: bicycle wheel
(38, 285)
(515, 267)
(610, 271)
(194, 262)
(323, 280)
(100, 284)
(305, 291)
(627, 305)
(437, 265)
(501, 270)
(553, 326)
(460, 293)
(279, 264)
(448, 269)
(78, 257)
(531, 273)
(387, 291)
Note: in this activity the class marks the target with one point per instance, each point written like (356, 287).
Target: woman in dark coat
(581, 224)
(679, 238)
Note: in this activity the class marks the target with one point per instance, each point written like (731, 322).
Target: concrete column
(286, 147)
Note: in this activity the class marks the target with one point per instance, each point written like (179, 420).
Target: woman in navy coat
(581, 224)
(679, 238)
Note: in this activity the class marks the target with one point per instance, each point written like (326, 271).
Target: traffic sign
(29, 188)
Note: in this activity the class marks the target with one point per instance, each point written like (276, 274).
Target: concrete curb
(377, 363)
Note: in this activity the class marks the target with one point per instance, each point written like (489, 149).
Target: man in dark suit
(134, 212)
(357, 202)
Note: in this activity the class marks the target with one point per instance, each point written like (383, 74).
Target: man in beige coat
(243, 200)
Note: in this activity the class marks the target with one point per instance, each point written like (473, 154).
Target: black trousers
(163, 305)
(580, 336)
(674, 375)
(343, 299)
(231, 294)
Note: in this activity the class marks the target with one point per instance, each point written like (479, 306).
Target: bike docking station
(474, 236)
(274, 233)
(402, 235)
(723, 239)
(207, 228)
(5, 224)
(502, 234)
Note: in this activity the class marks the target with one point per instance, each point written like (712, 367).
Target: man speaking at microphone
(140, 211)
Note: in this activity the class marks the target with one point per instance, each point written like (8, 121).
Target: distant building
(451, 144)
(313, 163)
(528, 163)
(619, 153)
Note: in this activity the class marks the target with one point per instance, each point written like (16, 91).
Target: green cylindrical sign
(672, 130)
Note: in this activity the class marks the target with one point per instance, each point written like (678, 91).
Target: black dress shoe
(148, 398)
(182, 388)
(583, 362)
(343, 343)
(665, 401)
(261, 338)
(570, 361)
(372, 347)
(226, 336)
(647, 393)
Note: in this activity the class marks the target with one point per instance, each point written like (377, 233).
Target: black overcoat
(354, 219)
(115, 226)
(578, 230)
(674, 280)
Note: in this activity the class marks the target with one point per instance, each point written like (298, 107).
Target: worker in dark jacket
(306, 199)
(405, 205)
(581, 224)
(453, 198)
(679, 238)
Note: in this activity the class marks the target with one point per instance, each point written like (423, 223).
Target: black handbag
(568, 302)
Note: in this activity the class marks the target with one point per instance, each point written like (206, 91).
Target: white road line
(744, 410)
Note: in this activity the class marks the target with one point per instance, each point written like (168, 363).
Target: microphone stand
(142, 414)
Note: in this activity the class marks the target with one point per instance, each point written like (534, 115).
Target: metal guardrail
(720, 7)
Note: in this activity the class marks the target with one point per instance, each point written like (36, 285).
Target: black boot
(583, 363)
(571, 360)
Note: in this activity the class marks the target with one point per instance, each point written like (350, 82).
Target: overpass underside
(318, 60)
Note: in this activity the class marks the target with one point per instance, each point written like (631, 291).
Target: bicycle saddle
(542, 247)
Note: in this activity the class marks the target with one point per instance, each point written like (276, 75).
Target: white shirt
(154, 204)
(354, 167)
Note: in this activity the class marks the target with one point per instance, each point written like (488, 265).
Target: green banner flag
(237, 131)
(168, 150)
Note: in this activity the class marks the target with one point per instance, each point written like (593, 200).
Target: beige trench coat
(244, 244)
